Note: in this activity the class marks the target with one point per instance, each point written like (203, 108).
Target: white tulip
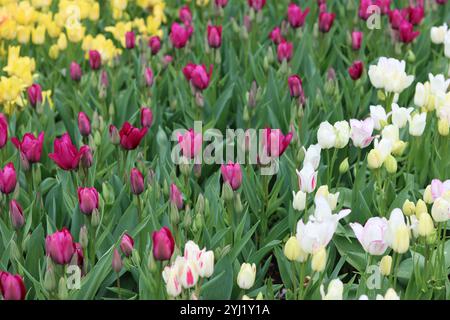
(440, 211)
(331, 198)
(389, 74)
(326, 135)
(307, 178)
(391, 132)
(342, 130)
(335, 290)
(379, 116)
(206, 263)
(417, 124)
(400, 116)
(384, 148)
(246, 276)
(437, 34)
(299, 201)
(312, 155)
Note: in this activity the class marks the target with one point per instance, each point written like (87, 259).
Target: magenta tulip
(16, 214)
(95, 59)
(136, 181)
(3, 130)
(127, 244)
(256, 5)
(34, 94)
(60, 247)
(284, 51)
(146, 117)
(75, 71)
(65, 154)
(155, 44)
(130, 40)
(163, 244)
(185, 15)
(276, 36)
(30, 147)
(84, 124)
(176, 197)
(130, 137)
(214, 36)
(179, 35)
(232, 174)
(356, 69)
(8, 179)
(190, 143)
(295, 15)
(12, 286)
(326, 20)
(357, 37)
(275, 143)
(87, 200)
(197, 75)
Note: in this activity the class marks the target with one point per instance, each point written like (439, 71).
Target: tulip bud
(155, 44)
(49, 279)
(16, 214)
(83, 237)
(107, 193)
(86, 158)
(374, 159)
(135, 258)
(401, 239)
(246, 276)
(200, 204)
(163, 244)
(299, 201)
(292, 249)
(117, 263)
(443, 127)
(75, 71)
(62, 289)
(319, 260)
(95, 59)
(34, 94)
(408, 208)
(130, 40)
(238, 203)
(87, 200)
(95, 219)
(427, 196)
(146, 117)
(127, 245)
(399, 147)
(426, 226)
(391, 164)
(174, 214)
(386, 265)
(136, 181)
(343, 167)
(431, 238)
(114, 136)
(440, 210)
(227, 192)
(421, 207)
(84, 124)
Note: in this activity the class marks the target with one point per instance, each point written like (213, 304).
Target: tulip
(400, 116)
(75, 71)
(296, 87)
(312, 155)
(379, 116)
(326, 135)
(357, 37)
(437, 34)
(256, 5)
(130, 137)
(361, 132)
(330, 198)
(155, 44)
(117, 263)
(176, 197)
(386, 265)
(65, 154)
(84, 124)
(206, 263)
(335, 290)
(396, 17)
(408, 208)
(307, 178)
(189, 273)
(221, 3)
(373, 235)
(415, 14)
(214, 36)
(425, 226)
(356, 69)
(16, 214)
(389, 74)
(384, 5)
(163, 244)
(127, 245)
(319, 260)
(364, 12)
(275, 143)
(34, 94)
(407, 33)
(299, 200)
(173, 285)
(276, 36)
(197, 75)
(130, 40)
(284, 51)
(232, 174)
(146, 117)
(3, 130)
(427, 195)
(190, 143)
(441, 210)
(59, 246)
(326, 20)
(8, 179)
(78, 256)
(295, 15)
(12, 286)
(95, 59)
(86, 158)
(114, 136)
(87, 200)
(30, 147)
(439, 188)
(179, 35)
(136, 181)
(246, 276)
(398, 232)
(417, 124)
(293, 251)
(149, 77)
(185, 15)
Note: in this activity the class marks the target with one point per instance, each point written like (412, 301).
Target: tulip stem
(118, 286)
(140, 219)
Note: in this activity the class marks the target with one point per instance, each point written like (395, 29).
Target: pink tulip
(136, 181)
(356, 69)
(275, 143)
(396, 17)
(326, 20)
(190, 143)
(232, 174)
(197, 75)
(75, 71)
(34, 94)
(155, 44)
(87, 200)
(3, 130)
(415, 14)
(357, 37)
(30, 147)
(363, 11)
(361, 132)
(163, 244)
(130, 137)
(276, 36)
(407, 33)
(95, 59)
(16, 214)
(295, 15)
(214, 36)
(86, 158)
(185, 15)
(127, 244)
(65, 154)
(8, 179)
(256, 5)
(78, 255)
(149, 78)
(384, 5)
(373, 235)
(117, 263)
(84, 124)
(296, 87)
(146, 117)
(60, 247)
(284, 51)
(179, 35)
(176, 197)
(12, 286)
(130, 40)
(439, 188)
(221, 3)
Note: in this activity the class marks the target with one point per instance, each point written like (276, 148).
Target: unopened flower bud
(427, 196)
(227, 192)
(391, 164)
(62, 289)
(319, 260)
(421, 207)
(200, 204)
(443, 127)
(409, 208)
(426, 226)
(83, 237)
(238, 203)
(117, 263)
(292, 249)
(401, 239)
(49, 279)
(108, 193)
(374, 159)
(343, 167)
(95, 219)
(399, 147)
(386, 265)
